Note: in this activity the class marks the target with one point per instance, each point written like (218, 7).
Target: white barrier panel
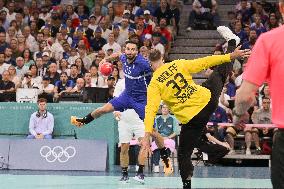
(58, 154)
(4, 153)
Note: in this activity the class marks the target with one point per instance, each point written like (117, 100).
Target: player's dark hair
(154, 55)
(131, 42)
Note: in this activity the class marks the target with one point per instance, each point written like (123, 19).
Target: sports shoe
(139, 177)
(124, 178)
(156, 169)
(248, 152)
(227, 34)
(168, 168)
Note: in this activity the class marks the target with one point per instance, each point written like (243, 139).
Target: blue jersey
(137, 77)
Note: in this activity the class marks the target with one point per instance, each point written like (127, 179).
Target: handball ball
(106, 68)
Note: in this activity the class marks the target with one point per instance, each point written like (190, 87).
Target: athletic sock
(140, 170)
(124, 171)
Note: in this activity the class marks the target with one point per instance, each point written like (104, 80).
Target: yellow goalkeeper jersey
(173, 84)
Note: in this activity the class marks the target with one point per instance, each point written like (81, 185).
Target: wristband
(87, 119)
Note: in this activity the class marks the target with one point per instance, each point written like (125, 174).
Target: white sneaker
(136, 168)
(139, 178)
(188, 29)
(227, 34)
(156, 169)
(248, 152)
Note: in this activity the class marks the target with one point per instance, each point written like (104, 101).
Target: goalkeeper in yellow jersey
(192, 104)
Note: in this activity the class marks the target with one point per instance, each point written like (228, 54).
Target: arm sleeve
(197, 65)
(153, 103)
(257, 68)
(50, 125)
(32, 126)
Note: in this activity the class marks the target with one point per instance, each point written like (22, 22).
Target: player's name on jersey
(186, 94)
(168, 73)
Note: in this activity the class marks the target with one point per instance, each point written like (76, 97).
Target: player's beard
(131, 57)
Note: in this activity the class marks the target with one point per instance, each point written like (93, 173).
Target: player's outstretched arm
(197, 65)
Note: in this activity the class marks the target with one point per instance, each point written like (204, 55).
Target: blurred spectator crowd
(56, 46)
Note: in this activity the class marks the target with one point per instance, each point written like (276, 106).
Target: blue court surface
(205, 177)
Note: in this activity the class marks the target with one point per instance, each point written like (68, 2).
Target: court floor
(205, 177)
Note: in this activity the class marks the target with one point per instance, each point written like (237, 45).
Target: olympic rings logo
(57, 153)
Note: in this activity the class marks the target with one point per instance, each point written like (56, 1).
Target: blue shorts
(124, 101)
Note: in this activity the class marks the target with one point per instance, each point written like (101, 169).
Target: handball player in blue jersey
(137, 72)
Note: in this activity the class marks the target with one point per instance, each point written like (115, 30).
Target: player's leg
(217, 79)
(139, 108)
(118, 104)
(215, 151)
(124, 161)
(142, 156)
(108, 107)
(137, 127)
(189, 136)
(125, 136)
